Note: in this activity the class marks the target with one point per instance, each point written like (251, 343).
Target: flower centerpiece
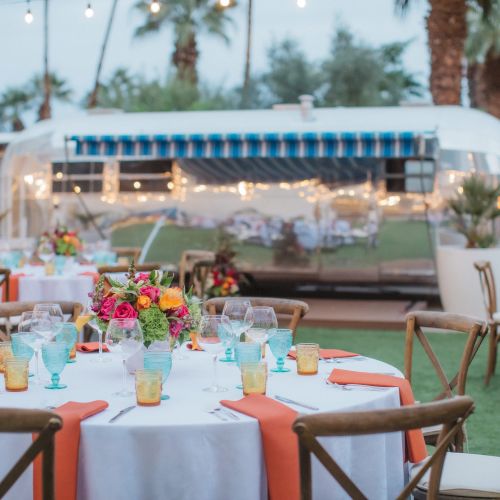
(165, 312)
(64, 242)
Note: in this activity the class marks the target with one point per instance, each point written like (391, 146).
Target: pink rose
(175, 328)
(125, 311)
(141, 277)
(151, 291)
(107, 307)
(181, 312)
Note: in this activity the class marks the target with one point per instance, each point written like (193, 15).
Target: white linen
(179, 451)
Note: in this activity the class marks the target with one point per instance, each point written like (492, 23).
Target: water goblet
(210, 338)
(239, 313)
(124, 336)
(280, 344)
(55, 355)
(67, 334)
(21, 349)
(55, 312)
(264, 325)
(159, 360)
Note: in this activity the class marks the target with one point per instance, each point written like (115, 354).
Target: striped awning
(267, 145)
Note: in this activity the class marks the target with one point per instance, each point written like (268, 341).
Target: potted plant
(473, 211)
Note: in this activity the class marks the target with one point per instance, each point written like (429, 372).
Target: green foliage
(474, 210)
(483, 32)
(154, 324)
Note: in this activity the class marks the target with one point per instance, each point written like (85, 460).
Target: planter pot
(459, 285)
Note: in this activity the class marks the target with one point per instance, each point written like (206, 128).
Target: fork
(356, 387)
(226, 412)
(217, 414)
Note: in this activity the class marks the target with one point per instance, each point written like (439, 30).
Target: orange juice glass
(5, 354)
(307, 359)
(16, 374)
(254, 378)
(148, 387)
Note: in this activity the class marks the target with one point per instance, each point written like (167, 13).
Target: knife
(120, 414)
(296, 403)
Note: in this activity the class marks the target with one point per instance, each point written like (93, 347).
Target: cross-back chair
(188, 259)
(10, 310)
(294, 309)
(450, 414)
(199, 276)
(5, 282)
(130, 253)
(44, 425)
(123, 268)
(488, 289)
(475, 330)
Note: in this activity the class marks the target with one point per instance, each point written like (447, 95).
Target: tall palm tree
(483, 54)
(189, 18)
(45, 111)
(248, 56)
(59, 88)
(13, 103)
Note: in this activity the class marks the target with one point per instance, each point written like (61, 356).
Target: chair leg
(492, 354)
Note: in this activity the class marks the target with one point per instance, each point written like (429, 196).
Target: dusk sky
(75, 40)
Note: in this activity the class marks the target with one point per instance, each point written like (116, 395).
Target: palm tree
(189, 18)
(483, 54)
(59, 89)
(45, 111)
(248, 55)
(13, 103)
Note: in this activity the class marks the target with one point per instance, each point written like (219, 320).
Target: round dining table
(182, 450)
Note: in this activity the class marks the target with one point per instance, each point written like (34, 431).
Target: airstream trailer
(342, 196)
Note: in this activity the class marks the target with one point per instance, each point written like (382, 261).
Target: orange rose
(66, 238)
(143, 302)
(171, 299)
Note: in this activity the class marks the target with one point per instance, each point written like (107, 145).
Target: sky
(75, 40)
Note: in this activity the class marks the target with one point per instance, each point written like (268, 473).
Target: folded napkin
(193, 345)
(328, 354)
(67, 443)
(93, 275)
(415, 444)
(13, 288)
(90, 347)
(281, 450)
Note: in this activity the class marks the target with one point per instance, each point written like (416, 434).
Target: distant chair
(189, 259)
(488, 289)
(121, 269)
(296, 309)
(475, 330)
(443, 476)
(43, 425)
(5, 283)
(131, 253)
(199, 276)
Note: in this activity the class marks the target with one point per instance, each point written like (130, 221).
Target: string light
(224, 3)
(154, 7)
(301, 3)
(89, 11)
(28, 17)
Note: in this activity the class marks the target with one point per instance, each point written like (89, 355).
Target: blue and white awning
(267, 145)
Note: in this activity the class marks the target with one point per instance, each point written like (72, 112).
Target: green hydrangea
(154, 324)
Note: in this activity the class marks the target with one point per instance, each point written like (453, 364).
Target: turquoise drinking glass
(247, 352)
(55, 355)
(67, 334)
(280, 344)
(162, 361)
(20, 349)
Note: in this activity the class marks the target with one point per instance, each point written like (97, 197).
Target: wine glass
(88, 251)
(264, 325)
(124, 336)
(89, 317)
(54, 310)
(213, 329)
(236, 310)
(46, 251)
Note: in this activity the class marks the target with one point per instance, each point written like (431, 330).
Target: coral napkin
(328, 353)
(193, 345)
(13, 288)
(415, 444)
(281, 451)
(94, 276)
(90, 347)
(67, 445)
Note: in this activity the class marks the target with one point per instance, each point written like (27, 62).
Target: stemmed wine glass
(237, 310)
(213, 329)
(54, 311)
(46, 251)
(124, 336)
(89, 317)
(264, 325)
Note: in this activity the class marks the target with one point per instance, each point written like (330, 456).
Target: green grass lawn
(482, 427)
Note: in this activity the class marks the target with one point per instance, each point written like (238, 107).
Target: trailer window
(409, 176)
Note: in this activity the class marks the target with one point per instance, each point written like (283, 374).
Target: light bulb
(301, 3)
(89, 11)
(224, 3)
(154, 7)
(28, 17)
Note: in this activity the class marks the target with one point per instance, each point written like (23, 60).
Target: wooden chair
(10, 310)
(199, 276)
(5, 282)
(140, 268)
(131, 253)
(433, 478)
(475, 330)
(297, 309)
(189, 259)
(488, 288)
(44, 424)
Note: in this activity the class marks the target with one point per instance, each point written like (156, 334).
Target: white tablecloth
(179, 451)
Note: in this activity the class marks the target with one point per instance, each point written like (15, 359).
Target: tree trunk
(446, 27)
(44, 112)
(17, 124)
(248, 55)
(476, 85)
(491, 82)
(185, 58)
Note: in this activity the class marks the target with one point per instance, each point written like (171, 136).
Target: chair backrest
(5, 282)
(141, 268)
(44, 425)
(296, 309)
(488, 289)
(450, 413)
(188, 260)
(474, 328)
(133, 253)
(199, 276)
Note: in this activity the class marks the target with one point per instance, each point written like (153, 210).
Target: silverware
(227, 412)
(296, 403)
(343, 360)
(217, 414)
(121, 413)
(357, 387)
